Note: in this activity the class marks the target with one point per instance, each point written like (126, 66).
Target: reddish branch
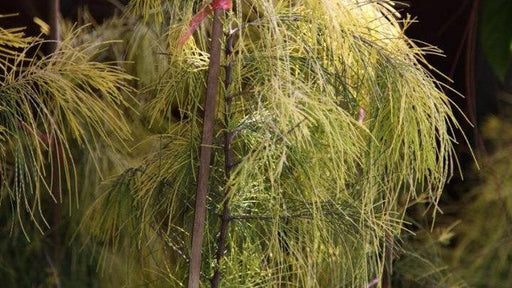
(201, 15)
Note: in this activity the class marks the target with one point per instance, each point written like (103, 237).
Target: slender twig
(285, 217)
(228, 165)
(270, 217)
(206, 151)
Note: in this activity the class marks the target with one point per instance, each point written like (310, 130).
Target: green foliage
(48, 105)
(61, 117)
(470, 246)
(315, 193)
(483, 249)
(496, 35)
(336, 129)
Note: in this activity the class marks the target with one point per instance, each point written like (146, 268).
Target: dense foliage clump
(334, 126)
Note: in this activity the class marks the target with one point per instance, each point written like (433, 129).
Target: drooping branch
(206, 151)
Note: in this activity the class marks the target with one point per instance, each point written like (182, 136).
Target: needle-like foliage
(483, 243)
(333, 124)
(48, 107)
(335, 127)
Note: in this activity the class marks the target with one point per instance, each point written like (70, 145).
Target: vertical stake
(206, 151)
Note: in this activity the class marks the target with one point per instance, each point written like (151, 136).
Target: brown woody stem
(206, 151)
(54, 25)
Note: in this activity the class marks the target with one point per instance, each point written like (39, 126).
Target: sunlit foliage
(336, 128)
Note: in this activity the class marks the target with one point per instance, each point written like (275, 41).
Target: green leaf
(496, 34)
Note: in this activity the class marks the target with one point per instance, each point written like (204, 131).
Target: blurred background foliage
(496, 37)
(467, 245)
(470, 243)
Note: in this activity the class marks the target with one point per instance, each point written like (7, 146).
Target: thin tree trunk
(228, 164)
(54, 37)
(54, 25)
(206, 151)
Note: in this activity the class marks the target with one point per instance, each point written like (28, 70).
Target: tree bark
(54, 25)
